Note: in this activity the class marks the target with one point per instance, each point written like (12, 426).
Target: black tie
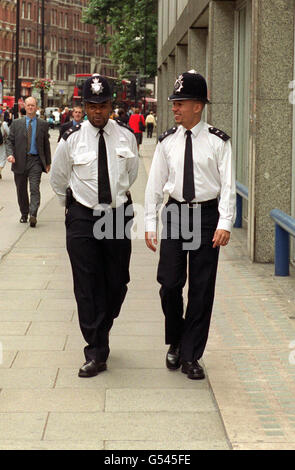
(188, 171)
(104, 188)
(29, 136)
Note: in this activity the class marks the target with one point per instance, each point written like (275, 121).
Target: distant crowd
(138, 121)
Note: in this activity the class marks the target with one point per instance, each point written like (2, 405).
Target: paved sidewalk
(246, 401)
(11, 229)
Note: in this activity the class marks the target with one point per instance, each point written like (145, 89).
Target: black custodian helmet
(190, 86)
(96, 89)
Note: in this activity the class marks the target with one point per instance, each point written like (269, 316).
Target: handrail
(284, 220)
(242, 192)
(284, 227)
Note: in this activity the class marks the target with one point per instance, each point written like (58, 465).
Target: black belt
(210, 203)
(32, 154)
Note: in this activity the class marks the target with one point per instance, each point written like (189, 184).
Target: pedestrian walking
(122, 116)
(28, 149)
(150, 124)
(137, 123)
(95, 164)
(51, 120)
(4, 132)
(77, 115)
(7, 117)
(193, 164)
(65, 116)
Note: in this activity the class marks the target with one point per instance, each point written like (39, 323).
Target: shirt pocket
(85, 165)
(122, 156)
(124, 152)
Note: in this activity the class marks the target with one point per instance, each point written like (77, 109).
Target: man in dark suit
(77, 115)
(28, 149)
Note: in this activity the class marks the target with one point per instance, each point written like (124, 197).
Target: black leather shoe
(23, 219)
(173, 357)
(92, 368)
(33, 221)
(193, 370)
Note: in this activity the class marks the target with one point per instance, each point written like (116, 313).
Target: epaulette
(219, 133)
(123, 124)
(70, 131)
(166, 133)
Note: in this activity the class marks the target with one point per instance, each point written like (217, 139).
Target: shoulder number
(70, 131)
(166, 133)
(219, 133)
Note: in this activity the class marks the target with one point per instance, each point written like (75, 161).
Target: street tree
(130, 29)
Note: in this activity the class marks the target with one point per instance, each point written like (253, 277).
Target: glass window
(28, 68)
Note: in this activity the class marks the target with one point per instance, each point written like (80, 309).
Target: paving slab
(55, 400)
(126, 378)
(118, 400)
(137, 426)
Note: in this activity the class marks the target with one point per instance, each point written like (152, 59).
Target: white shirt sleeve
(132, 163)
(154, 195)
(61, 171)
(227, 203)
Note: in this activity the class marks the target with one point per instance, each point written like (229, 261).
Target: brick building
(70, 46)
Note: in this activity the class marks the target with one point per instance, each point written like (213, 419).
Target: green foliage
(133, 41)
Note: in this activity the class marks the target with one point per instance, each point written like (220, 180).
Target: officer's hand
(151, 240)
(11, 159)
(48, 169)
(221, 238)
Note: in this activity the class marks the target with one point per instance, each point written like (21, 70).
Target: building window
(28, 68)
(22, 67)
(23, 9)
(29, 10)
(65, 72)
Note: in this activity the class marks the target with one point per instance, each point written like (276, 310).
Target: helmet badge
(96, 87)
(178, 85)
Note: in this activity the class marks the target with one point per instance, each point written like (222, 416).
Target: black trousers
(191, 330)
(100, 273)
(150, 128)
(32, 173)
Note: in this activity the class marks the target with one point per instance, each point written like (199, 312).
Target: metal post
(43, 49)
(145, 53)
(239, 218)
(281, 251)
(16, 77)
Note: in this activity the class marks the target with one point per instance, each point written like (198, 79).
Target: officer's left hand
(221, 238)
(48, 169)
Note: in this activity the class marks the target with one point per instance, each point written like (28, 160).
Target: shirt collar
(195, 130)
(95, 130)
(33, 119)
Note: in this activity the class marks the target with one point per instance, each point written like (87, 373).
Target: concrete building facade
(245, 49)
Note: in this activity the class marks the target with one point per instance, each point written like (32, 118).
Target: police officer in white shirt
(192, 164)
(95, 164)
